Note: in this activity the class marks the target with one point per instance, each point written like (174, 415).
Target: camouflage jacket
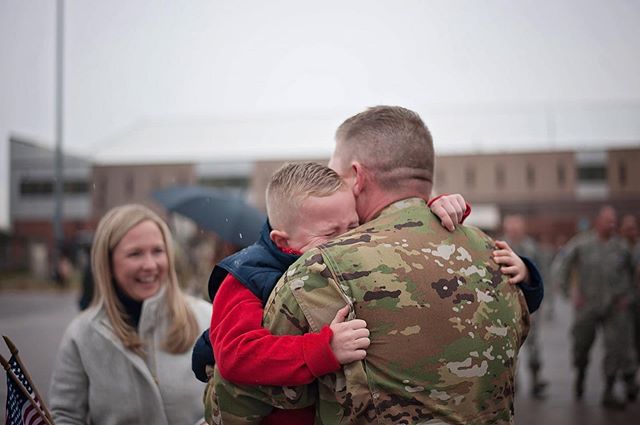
(635, 256)
(603, 270)
(445, 326)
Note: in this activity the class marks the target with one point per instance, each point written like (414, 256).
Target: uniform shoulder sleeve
(307, 297)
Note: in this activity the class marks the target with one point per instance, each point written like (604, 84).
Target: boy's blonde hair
(291, 184)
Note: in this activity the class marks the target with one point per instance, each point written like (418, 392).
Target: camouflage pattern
(445, 326)
(636, 257)
(635, 261)
(603, 275)
(635, 305)
(249, 405)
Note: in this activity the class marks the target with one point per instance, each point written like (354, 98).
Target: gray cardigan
(98, 381)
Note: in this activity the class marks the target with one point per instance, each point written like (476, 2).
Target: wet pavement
(560, 406)
(36, 322)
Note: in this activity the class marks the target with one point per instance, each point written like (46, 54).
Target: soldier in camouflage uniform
(445, 324)
(514, 229)
(601, 297)
(629, 231)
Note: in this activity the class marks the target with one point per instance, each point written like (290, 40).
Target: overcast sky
(567, 69)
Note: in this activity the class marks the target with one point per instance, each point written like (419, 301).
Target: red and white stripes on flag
(20, 410)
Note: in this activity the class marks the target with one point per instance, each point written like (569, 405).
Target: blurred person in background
(127, 358)
(547, 250)
(629, 232)
(601, 297)
(84, 242)
(87, 289)
(514, 233)
(200, 253)
(63, 270)
(559, 247)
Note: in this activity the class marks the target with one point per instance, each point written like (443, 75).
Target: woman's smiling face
(139, 261)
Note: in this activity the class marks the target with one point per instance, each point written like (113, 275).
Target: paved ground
(36, 321)
(560, 407)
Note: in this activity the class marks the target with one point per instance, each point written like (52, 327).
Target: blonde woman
(127, 359)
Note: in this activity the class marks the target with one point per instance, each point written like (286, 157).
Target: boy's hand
(450, 209)
(512, 264)
(350, 339)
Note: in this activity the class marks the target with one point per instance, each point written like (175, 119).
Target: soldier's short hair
(393, 142)
(294, 182)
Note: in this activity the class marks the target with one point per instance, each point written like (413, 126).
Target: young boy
(307, 205)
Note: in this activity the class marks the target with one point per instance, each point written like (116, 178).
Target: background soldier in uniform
(445, 324)
(629, 232)
(601, 297)
(514, 229)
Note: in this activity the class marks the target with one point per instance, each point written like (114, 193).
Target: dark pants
(617, 329)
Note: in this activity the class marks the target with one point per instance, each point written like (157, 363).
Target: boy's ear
(280, 238)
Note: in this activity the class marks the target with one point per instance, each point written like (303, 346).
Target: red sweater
(248, 354)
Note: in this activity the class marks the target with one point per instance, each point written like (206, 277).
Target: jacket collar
(150, 308)
(258, 267)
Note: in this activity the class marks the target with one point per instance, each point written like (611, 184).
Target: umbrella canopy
(225, 213)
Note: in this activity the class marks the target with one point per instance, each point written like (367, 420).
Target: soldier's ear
(280, 238)
(360, 177)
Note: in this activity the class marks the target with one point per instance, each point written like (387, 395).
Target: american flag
(20, 411)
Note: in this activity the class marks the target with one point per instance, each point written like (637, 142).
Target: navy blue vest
(258, 267)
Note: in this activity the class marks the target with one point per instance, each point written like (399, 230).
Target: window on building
(500, 178)
(531, 176)
(76, 187)
(622, 173)
(231, 182)
(561, 174)
(29, 187)
(592, 173)
(470, 177)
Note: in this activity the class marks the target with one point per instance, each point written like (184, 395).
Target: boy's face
(320, 219)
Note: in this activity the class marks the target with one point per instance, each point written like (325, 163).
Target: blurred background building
(558, 192)
(31, 204)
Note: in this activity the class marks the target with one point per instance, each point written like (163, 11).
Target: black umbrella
(225, 213)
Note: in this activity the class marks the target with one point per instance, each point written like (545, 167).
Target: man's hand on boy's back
(350, 338)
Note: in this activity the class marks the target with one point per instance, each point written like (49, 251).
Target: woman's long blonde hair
(183, 328)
